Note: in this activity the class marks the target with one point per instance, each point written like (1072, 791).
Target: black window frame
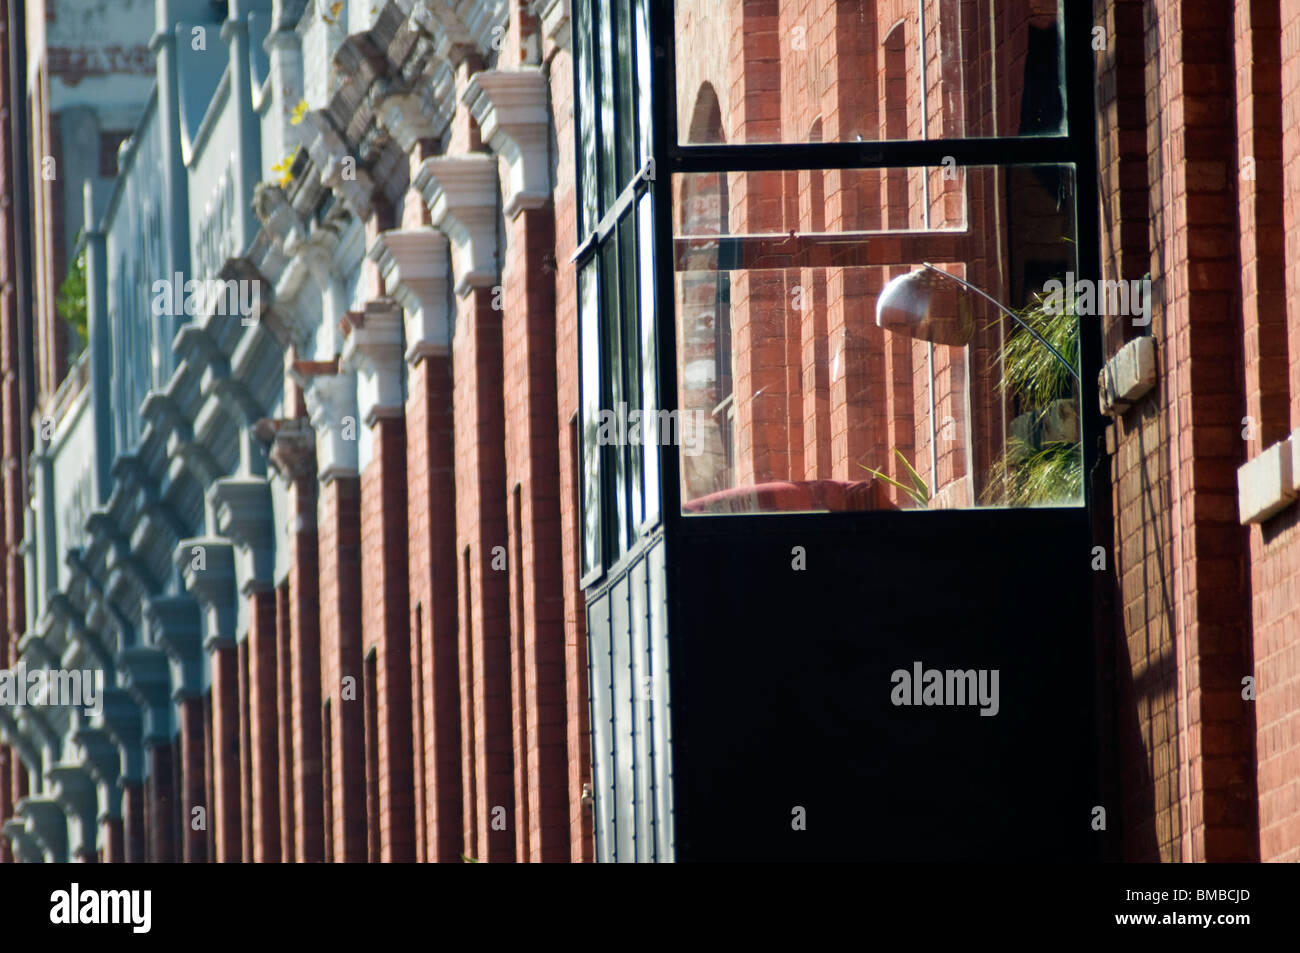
(1076, 147)
(613, 245)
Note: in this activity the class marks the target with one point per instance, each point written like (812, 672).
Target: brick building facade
(366, 583)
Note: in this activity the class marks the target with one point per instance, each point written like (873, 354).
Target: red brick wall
(306, 662)
(193, 758)
(225, 813)
(533, 563)
(486, 727)
(1275, 549)
(264, 754)
(386, 630)
(576, 719)
(434, 606)
(339, 527)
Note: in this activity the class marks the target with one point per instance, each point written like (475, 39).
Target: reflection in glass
(833, 402)
(871, 69)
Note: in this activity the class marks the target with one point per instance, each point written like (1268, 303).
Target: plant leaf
(921, 485)
(922, 499)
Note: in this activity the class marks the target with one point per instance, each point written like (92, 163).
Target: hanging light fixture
(922, 305)
(930, 304)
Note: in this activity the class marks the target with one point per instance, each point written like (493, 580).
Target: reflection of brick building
(367, 586)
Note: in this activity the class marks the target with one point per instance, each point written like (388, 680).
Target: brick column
(1194, 165)
(339, 515)
(284, 709)
(160, 797)
(331, 399)
(461, 193)
(175, 625)
(194, 843)
(511, 109)
(223, 663)
(133, 807)
(293, 454)
(374, 349)
(414, 264)
(264, 753)
(114, 850)
(121, 772)
(566, 373)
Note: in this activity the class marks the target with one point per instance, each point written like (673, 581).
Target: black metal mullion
(663, 135)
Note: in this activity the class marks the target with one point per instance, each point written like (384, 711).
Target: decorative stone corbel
(373, 349)
(292, 452)
(422, 110)
(509, 106)
(242, 507)
(86, 642)
(453, 38)
(339, 164)
(45, 820)
(461, 192)
(147, 679)
(310, 255)
(100, 755)
(554, 15)
(120, 560)
(175, 626)
(121, 718)
(75, 791)
(415, 264)
(331, 397)
(207, 565)
(26, 848)
(272, 207)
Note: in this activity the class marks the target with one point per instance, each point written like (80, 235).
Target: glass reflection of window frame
(1074, 147)
(968, 84)
(620, 483)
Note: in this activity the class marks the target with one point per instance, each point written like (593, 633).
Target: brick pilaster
(431, 515)
(534, 563)
(263, 726)
(194, 843)
(284, 710)
(133, 821)
(225, 816)
(484, 592)
(386, 628)
(339, 522)
(160, 800)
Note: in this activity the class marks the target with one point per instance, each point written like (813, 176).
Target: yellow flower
(285, 168)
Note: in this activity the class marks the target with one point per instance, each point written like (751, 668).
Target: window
(873, 311)
(619, 470)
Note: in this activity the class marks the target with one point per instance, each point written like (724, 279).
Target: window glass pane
(588, 177)
(777, 70)
(631, 389)
(645, 148)
(589, 321)
(609, 184)
(611, 435)
(624, 103)
(848, 389)
(649, 351)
